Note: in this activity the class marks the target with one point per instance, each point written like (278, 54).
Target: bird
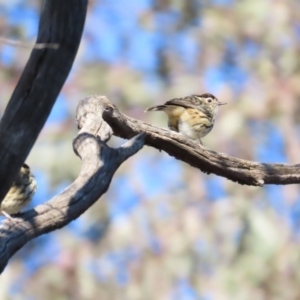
(20, 193)
(193, 116)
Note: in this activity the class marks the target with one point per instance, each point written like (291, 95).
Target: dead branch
(99, 163)
(208, 161)
(97, 119)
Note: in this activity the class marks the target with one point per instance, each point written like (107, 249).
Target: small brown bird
(20, 193)
(193, 116)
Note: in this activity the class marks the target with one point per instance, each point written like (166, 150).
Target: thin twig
(28, 45)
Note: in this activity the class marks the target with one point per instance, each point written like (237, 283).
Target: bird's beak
(221, 103)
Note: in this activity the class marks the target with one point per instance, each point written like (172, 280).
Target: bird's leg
(199, 139)
(8, 216)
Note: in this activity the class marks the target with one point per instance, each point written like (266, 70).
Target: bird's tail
(156, 108)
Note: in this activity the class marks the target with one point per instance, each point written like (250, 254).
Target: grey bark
(97, 120)
(206, 160)
(99, 163)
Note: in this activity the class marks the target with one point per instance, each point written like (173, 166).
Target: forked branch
(97, 119)
(99, 163)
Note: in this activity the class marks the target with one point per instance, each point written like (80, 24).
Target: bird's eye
(209, 100)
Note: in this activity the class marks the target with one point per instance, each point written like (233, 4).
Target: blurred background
(164, 230)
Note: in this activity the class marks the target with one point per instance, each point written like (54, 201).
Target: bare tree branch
(61, 23)
(99, 163)
(208, 161)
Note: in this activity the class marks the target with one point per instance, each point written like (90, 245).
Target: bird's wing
(181, 102)
(188, 103)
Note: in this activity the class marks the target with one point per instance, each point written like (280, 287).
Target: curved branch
(61, 24)
(99, 163)
(208, 161)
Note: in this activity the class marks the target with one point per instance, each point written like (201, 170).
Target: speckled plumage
(193, 116)
(20, 193)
